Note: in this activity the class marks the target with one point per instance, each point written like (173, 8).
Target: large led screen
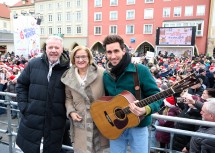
(184, 36)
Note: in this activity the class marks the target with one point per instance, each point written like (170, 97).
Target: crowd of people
(59, 86)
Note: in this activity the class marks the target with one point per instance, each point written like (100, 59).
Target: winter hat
(212, 69)
(169, 102)
(12, 77)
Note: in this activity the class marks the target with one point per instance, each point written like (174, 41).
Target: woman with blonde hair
(84, 84)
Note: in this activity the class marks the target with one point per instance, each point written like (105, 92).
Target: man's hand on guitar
(75, 117)
(137, 110)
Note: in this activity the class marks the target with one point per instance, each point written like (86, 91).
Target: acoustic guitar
(112, 115)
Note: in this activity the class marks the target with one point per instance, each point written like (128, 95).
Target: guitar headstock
(185, 83)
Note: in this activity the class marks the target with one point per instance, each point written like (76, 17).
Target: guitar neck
(151, 99)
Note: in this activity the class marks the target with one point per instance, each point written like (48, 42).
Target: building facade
(137, 21)
(6, 37)
(67, 18)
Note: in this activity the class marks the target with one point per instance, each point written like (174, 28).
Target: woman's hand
(75, 117)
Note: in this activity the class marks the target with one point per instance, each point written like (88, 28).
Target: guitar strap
(137, 84)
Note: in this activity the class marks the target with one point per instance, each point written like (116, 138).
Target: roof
(20, 3)
(5, 11)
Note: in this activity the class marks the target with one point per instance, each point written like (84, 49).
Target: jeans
(136, 137)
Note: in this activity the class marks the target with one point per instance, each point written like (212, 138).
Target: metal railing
(173, 131)
(11, 133)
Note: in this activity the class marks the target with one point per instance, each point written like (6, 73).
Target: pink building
(137, 20)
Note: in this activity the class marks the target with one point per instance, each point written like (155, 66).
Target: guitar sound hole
(119, 113)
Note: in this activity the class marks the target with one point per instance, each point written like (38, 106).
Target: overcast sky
(9, 2)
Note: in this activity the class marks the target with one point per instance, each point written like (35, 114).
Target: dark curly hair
(112, 39)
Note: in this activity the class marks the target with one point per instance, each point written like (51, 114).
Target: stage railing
(12, 133)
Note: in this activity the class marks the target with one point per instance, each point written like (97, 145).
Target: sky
(9, 2)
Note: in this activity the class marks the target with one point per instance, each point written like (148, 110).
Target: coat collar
(69, 78)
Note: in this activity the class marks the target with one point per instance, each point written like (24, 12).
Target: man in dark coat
(41, 100)
(204, 145)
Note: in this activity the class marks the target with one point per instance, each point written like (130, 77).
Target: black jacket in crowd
(181, 141)
(203, 145)
(42, 106)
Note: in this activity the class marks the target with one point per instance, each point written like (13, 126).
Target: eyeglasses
(83, 57)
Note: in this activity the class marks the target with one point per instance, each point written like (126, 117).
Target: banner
(26, 36)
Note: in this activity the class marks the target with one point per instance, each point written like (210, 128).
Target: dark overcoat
(42, 106)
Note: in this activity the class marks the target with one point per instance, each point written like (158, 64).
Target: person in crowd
(181, 141)
(154, 72)
(41, 100)
(86, 86)
(202, 74)
(205, 145)
(208, 95)
(169, 109)
(118, 77)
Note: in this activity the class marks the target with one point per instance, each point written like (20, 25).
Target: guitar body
(112, 115)
(108, 115)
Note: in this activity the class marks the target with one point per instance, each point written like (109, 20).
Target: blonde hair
(77, 48)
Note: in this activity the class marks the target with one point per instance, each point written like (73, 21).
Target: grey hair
(210, 107)
(55, 38)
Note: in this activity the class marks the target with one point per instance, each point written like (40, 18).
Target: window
(165, 25)
(148, 13)
(58, 16)
(5, 25)
(42, 18)
(185, 24)
(68, 30)
(198, 23)
(59, 30)
(113, 2)
(42, 31)
(200, 10)
(147, 29)
(130, 14)
(68, 4)
(50, 31)
(97, 30)
(97, 16)
(78, 3)
(129, 29)
(78, 30)
(98, 3)
(149, 1)
(188, 11)
(130, 2)
(177, 11)
(113, 15)
(68, 16)
(199, 29)
(113, 29)
(78, 16)
(59, 5)
(50, 17)
(166, 12)
(41, 7)
(50, 6)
